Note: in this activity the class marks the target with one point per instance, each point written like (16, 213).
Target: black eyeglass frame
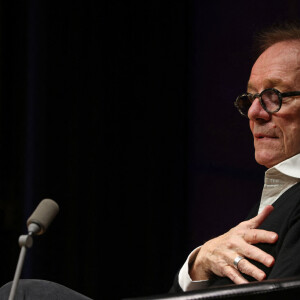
(259, 96)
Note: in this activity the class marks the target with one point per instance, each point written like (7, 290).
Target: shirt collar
(289, 167)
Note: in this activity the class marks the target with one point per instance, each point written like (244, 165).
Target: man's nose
(256, 111)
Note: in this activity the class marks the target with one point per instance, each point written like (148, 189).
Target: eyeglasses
(269, 99)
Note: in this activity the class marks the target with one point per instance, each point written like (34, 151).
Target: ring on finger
(237, 260)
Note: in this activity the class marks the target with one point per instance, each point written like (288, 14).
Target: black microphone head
(43, 215)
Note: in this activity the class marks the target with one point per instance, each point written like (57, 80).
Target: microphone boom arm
(37, 224)
(25, 242)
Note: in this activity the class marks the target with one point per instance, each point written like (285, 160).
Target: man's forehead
(282, 85)
(278, 66)
(266, 82)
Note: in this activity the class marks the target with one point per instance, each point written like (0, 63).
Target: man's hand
(217, 255)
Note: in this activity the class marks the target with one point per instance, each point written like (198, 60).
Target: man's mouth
(264, 136)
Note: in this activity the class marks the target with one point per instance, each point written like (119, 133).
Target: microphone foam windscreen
(44, 214)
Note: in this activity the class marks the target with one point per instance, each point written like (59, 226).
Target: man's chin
(266, 159)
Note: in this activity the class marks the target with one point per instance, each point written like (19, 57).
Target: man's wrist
(185, 281)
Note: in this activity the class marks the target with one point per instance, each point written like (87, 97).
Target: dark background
(122, 112)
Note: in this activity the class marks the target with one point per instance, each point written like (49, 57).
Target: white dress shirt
(278, 179)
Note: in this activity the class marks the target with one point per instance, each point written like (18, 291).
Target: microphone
(43, 215)
(37, 224)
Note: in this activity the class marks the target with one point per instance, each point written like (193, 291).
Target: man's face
(276, 136)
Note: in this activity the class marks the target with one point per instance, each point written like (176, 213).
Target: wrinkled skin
(276, 136)
(217, 255)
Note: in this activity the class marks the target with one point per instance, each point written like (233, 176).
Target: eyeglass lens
(244, 104)
(270, 100)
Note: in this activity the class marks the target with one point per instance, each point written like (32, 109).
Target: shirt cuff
(184, 279)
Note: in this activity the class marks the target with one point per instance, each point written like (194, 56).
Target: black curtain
(121, 111)
(93, 114)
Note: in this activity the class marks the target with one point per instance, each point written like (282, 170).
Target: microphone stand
(25, 242)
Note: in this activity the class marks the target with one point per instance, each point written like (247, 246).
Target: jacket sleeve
(287, 262)
(176, 287)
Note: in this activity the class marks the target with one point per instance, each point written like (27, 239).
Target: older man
(267, 245)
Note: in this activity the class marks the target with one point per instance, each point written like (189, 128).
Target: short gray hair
(276, 33)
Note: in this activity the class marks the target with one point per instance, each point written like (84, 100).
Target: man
(267, 245)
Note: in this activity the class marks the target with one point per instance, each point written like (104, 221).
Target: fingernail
(262, 276)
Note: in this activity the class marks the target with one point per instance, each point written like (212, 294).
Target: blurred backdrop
(122, 112)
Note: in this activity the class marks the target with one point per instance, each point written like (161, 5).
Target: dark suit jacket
(285, 221)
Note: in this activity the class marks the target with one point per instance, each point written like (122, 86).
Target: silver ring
(237, 260)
